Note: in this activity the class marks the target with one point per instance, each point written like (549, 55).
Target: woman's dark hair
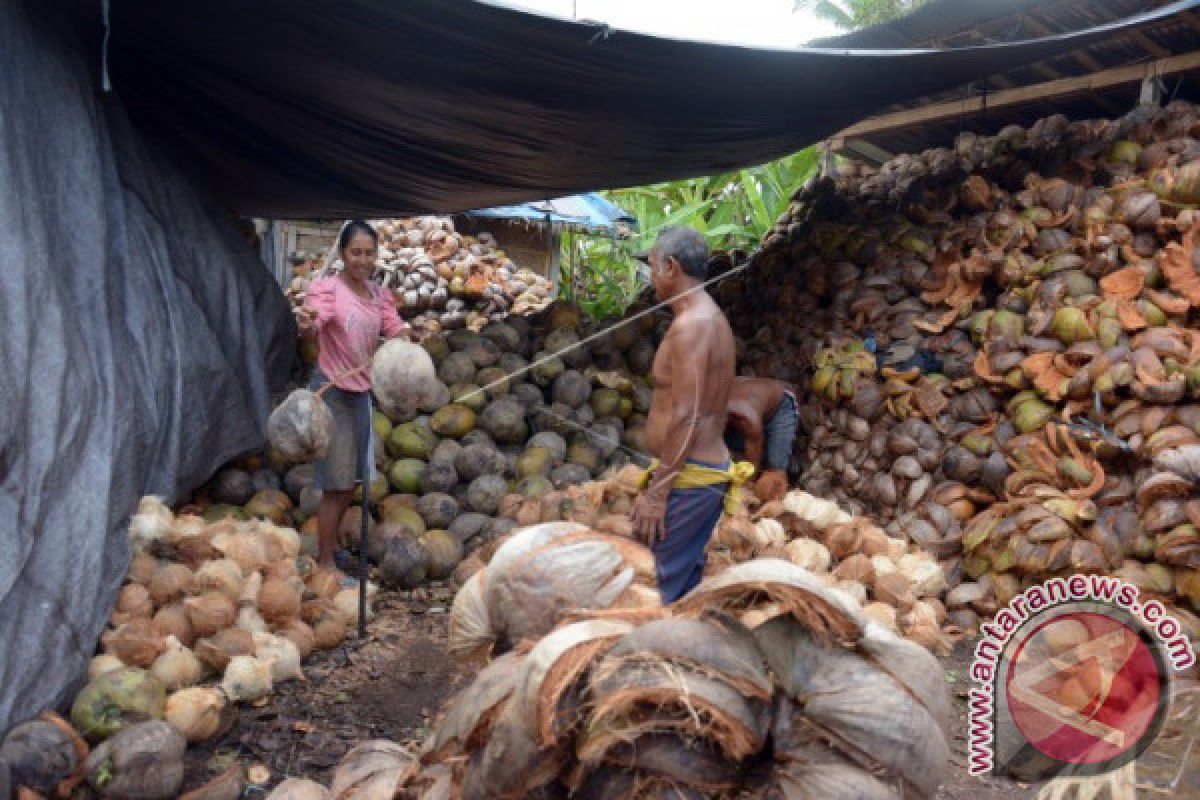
(352, 227)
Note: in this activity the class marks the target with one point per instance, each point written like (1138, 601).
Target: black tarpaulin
(317, 108)
(140, 337)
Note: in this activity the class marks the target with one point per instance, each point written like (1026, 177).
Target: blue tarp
(584, 211)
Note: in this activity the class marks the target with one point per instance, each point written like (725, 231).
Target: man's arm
(687, 368)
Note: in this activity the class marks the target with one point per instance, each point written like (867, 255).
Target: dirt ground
(393, 685)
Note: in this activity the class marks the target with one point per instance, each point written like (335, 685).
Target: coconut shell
(137, 643)
(173, 620)
(278, 601)
(210, 612)
(169, 584)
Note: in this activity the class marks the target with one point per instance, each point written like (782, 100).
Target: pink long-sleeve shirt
(348, 329)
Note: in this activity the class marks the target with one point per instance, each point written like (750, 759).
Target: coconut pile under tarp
(763, 679)
(445, 280)
(1031, 405)
(469, 424)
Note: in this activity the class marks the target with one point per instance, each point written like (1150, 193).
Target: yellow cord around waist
(696, 476)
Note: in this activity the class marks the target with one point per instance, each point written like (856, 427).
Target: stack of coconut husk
(445, 280)
(1031, 405)
(900, 585)
(765, 679)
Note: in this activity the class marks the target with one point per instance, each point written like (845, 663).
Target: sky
(764, 23)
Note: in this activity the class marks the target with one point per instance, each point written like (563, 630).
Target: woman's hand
(306, 319)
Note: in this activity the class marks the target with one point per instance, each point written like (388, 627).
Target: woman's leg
(334, 503)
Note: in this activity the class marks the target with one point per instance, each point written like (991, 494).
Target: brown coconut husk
(829, 614)
(555, 665)
(637, 695)
(714, 644)
(471, 714)
(696, 764)
(511, 764)
(864, 710)
(372, 770)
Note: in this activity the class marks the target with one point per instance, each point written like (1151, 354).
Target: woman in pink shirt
(348, 313)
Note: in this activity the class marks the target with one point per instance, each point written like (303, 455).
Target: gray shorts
(780, 433)
(352, 440)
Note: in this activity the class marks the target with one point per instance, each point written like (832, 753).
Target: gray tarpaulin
(330, 108)
(138, 333)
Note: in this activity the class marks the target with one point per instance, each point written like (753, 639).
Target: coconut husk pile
(524, 408)
(763, 681)
(1031, 298)
(213, 614)
(900, 585)
(445, 280)
(539, 575)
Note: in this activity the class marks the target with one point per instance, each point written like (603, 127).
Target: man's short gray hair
(687, 247)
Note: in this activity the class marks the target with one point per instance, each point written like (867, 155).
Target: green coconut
(504, 419)
(409, 518)
(350, 527)
(494, 380)
(271, 505)
(534, 486)
(438, 509)
(635, 439)
(299, 478)
(534, 461)
(550, 441)
(454, 420)
(469, 525)
(484, 493)
(445, 452)
(469, 396)
(572, 389)
(405, 475)
(606, 402)
(411, 440)
(231, 487)
(381, 424)
(504, 336)
(585, 455)
(445, 552)
(566, 345)
(528, 395)
(457, 368)
(405, 563)
(569, 475)
(437, 346)
(546, 368)
(117, 699)
(640, 358)
(378, 536)
(223, 511)
(564, 315)
(478, 459)
(483, 352)
(378, 490)
(440, 477)
(514, 365)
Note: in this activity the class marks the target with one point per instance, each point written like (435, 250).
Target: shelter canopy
(334, 108)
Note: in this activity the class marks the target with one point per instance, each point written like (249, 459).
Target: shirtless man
(763, 417)
(693, 370)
